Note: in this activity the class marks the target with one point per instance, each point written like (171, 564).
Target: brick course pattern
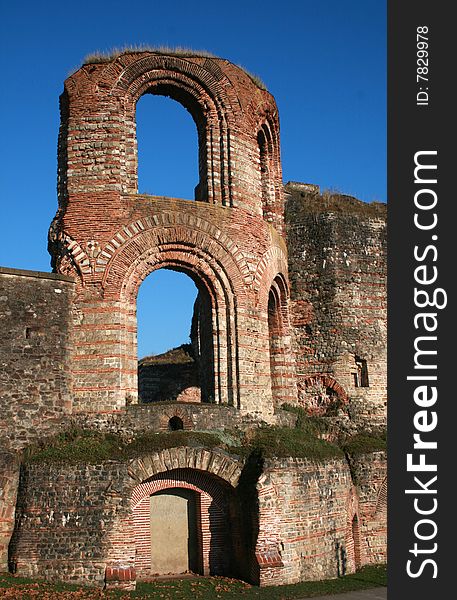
(89, 523)
(230, 240)
(291, 307)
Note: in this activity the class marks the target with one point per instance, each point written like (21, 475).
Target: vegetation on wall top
(109, 55)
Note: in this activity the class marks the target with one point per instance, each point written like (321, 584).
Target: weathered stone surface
(258, 339)
(75, 521)
(36, 338)
(337, 270)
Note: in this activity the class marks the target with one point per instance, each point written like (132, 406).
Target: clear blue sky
(323, 60)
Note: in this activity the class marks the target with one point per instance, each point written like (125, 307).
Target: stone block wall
(303, 515)
(170, 376)
(140, 418)
(89, 523)
(291, 308)
(337, 270)
(83, 523)
(35, 377)
(64, 517)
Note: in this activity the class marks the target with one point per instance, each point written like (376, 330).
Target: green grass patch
(154, 442)
(365, 442)
(283, 442)
(75, 446)
(94, 447)
(195, 588)
(312, 425)
(305, 440)
(100, 57)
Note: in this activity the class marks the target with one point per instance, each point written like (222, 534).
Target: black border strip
(414, 128)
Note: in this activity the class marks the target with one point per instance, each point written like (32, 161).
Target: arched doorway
(185, 520)
(175, 526)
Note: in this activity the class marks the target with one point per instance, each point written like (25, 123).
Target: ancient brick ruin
(291, 310)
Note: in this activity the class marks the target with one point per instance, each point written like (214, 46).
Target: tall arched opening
(176, 350)
(277, 327)
(169, 161)
(185, 96)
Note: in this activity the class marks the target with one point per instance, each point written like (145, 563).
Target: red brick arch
(220, 240)
(176, 228)
(144, 71)
(211, 474)
(207, 93)
(327, 381)
(213, 262)
(212, 517)
(214, 462)
(270, 166)
(272, 263)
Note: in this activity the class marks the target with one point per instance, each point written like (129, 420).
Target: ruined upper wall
(36, 320)
(229, 240)
(337, 270)
(237, 124)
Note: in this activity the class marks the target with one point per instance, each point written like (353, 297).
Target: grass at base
(195, 588)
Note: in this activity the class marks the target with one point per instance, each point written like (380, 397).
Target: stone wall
(303, 514)
(283, 521)
(64, 516)
(291, 308)
(140, 418)
(82, 523)
(172, 376)
(337, 270)
(35, 379)
(370, 475)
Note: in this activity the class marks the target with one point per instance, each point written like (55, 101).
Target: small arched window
(265, 160)
(175, 424)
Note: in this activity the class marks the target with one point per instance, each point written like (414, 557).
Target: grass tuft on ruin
(102, 57)
(92, 447)
(365, 442)
(309, 439)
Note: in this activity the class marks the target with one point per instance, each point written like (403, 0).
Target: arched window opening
(275, 335)
(265, 159)
(175, 339)
(168, 155)
(175, 424)
(356, 538)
